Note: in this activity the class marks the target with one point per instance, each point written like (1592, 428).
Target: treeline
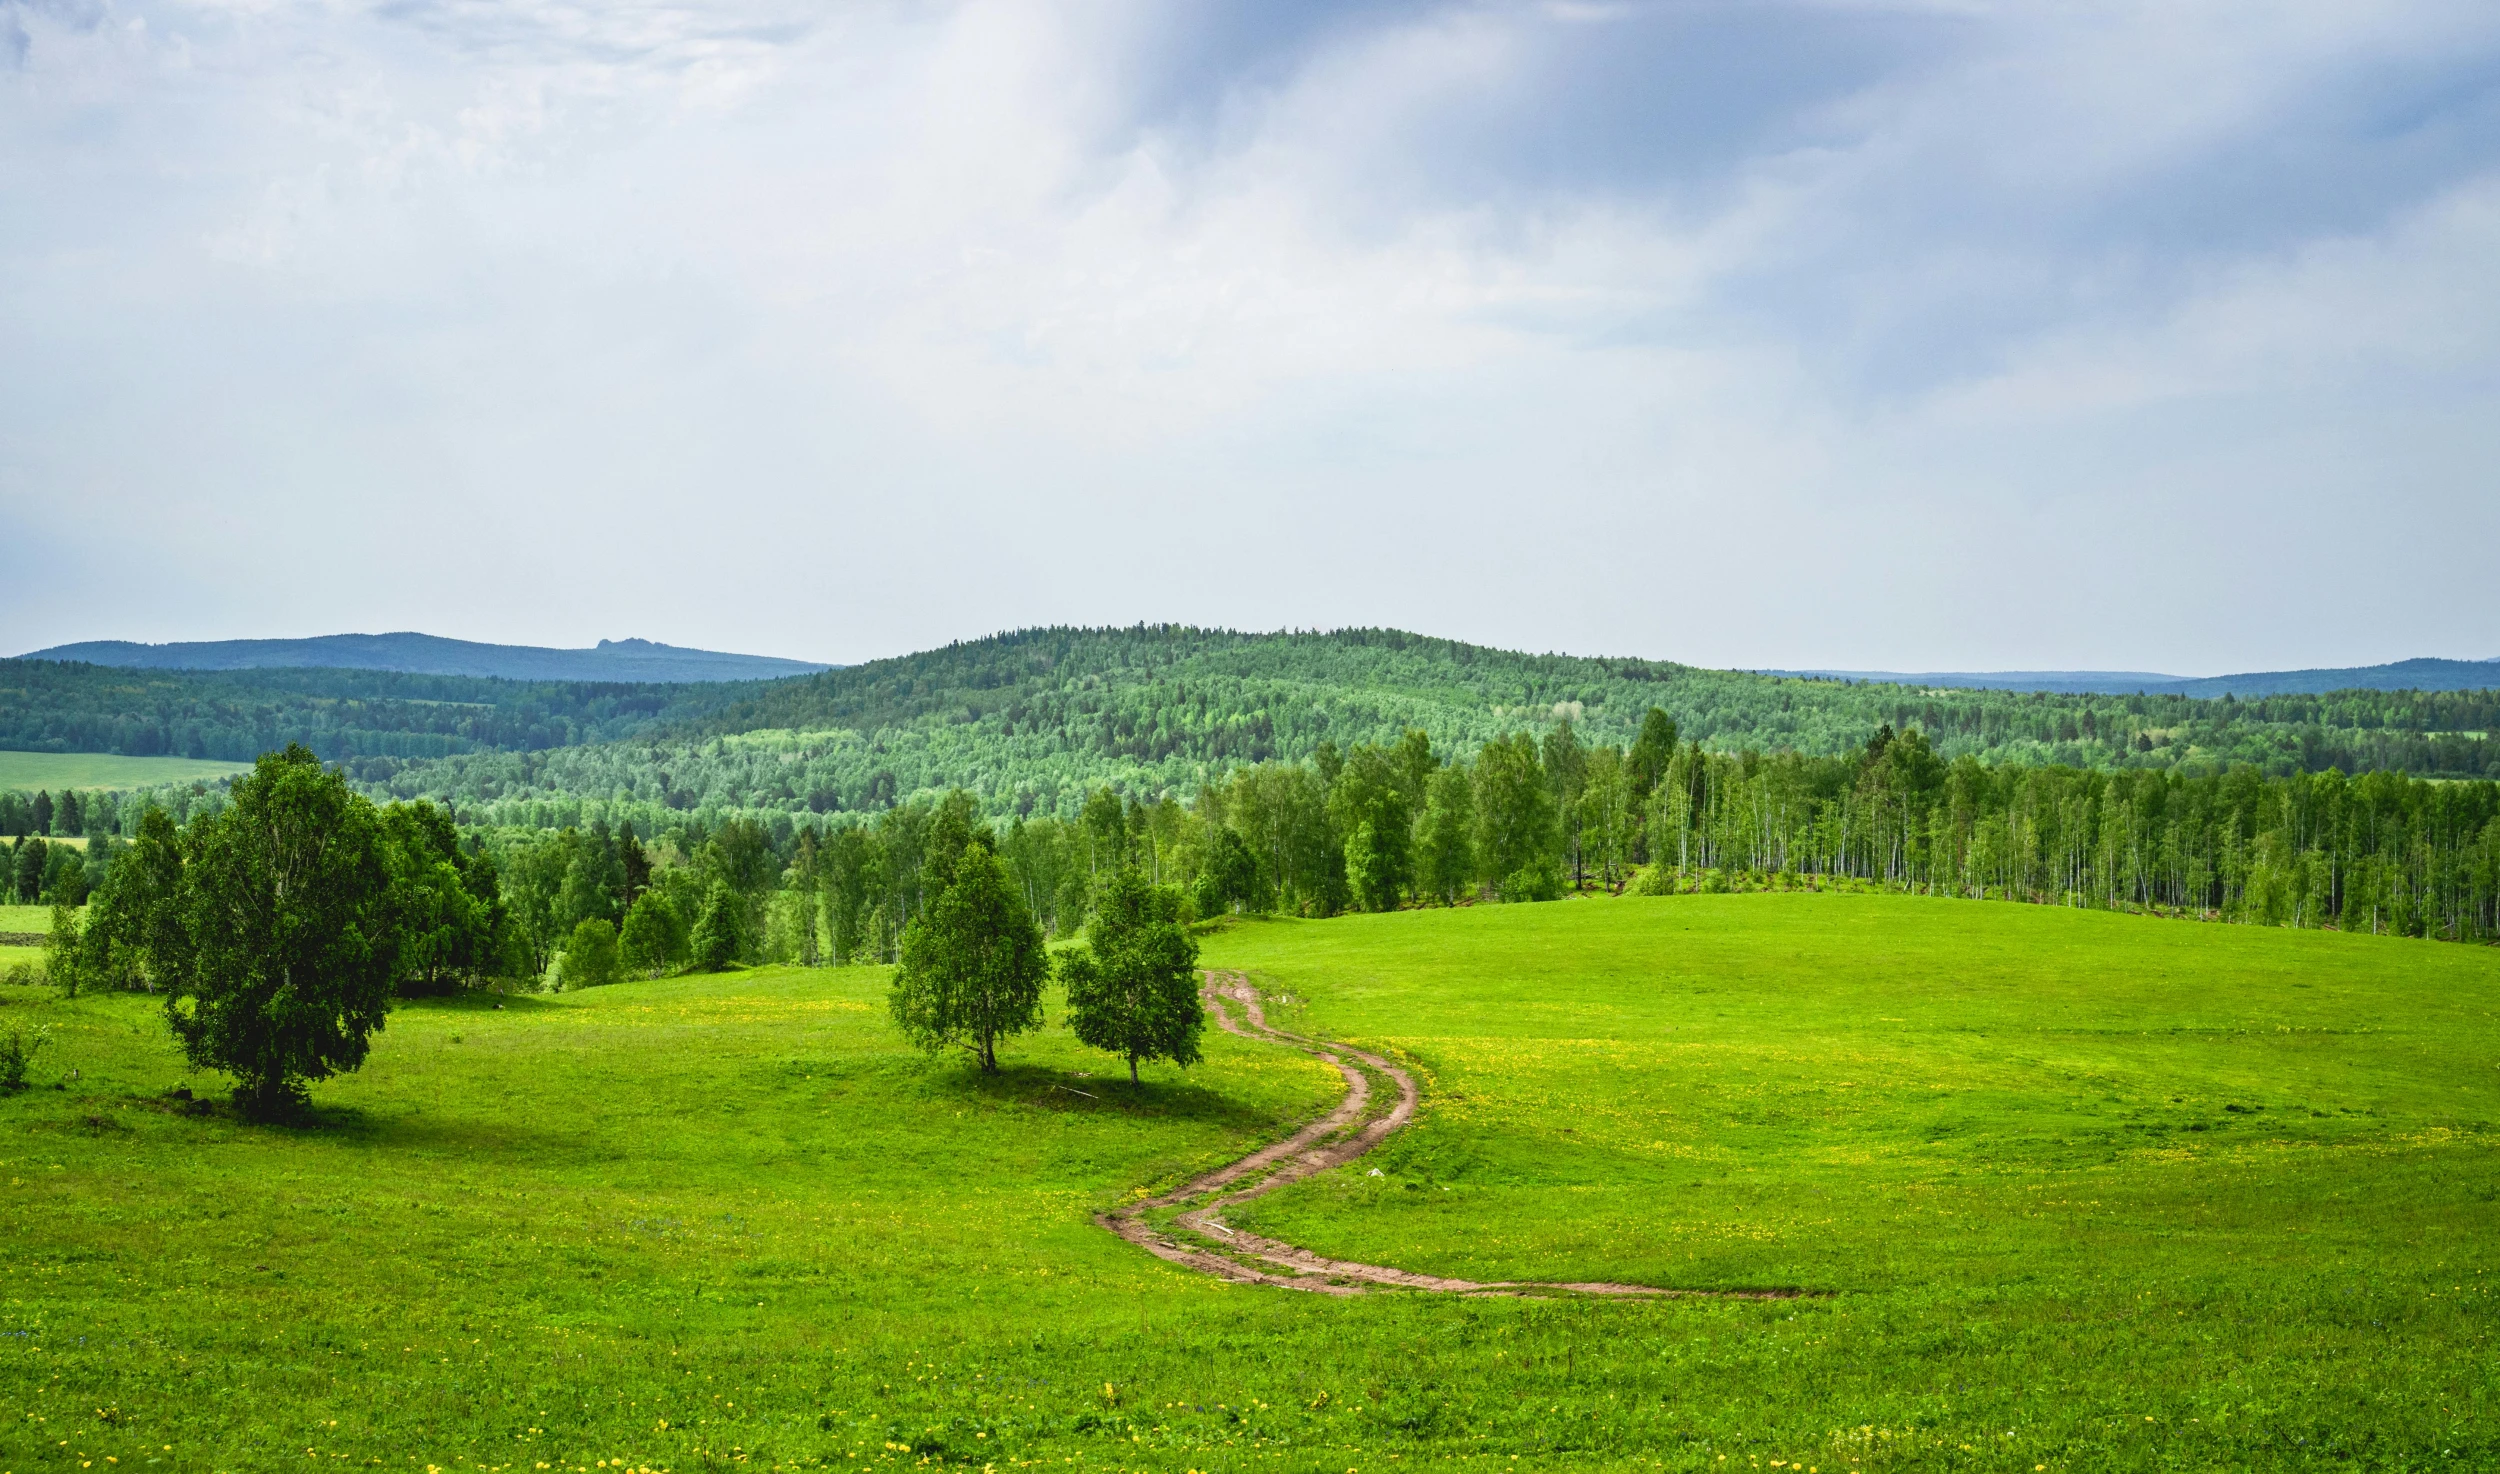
(373, 719)
(2381, 852)
(1033, 722)
(1532, 817)
(1522, 817)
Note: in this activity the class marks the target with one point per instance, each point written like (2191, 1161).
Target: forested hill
(2403, 675)
(639, 662)
(1031, 720)
(61, 706)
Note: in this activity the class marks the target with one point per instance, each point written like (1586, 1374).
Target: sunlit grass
(731, 1222)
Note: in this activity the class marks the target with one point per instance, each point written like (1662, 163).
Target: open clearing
(731, 1222)
(58, 770)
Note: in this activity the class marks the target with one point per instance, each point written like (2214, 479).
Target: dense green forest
(1377, 826)
(1031, 722)
(58, 706)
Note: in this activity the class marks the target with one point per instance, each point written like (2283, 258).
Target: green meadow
(2063, 1190)
(55, 771)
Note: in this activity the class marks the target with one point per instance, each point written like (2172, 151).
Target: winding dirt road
(1198, 1238)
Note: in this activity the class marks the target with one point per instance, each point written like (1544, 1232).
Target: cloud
(1694, 329)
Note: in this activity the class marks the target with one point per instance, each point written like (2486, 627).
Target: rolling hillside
(2402, 675)
(639, 661)
(1032, 719)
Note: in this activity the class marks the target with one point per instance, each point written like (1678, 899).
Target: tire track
(1199, 1239)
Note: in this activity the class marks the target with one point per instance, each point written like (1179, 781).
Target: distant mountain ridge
(433, 655)
(2425, 674)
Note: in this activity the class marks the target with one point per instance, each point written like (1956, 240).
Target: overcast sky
(1913, 336)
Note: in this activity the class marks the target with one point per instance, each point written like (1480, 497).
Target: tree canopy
(282, 951)
(972, 964)
(1133, 982)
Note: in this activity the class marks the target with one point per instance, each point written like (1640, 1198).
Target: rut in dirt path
(1198, 1238)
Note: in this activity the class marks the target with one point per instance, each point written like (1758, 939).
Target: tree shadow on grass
(1061, 1092)
(474, 1000)
(431, 1132)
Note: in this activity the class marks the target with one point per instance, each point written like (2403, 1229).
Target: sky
(1911, 336)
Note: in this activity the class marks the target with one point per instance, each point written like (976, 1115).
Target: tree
(636, 862)
(1446, 866)
(1644, 768)
(721, 935)
(1606, 815)
(654, 938)
(1230, 877)
(282, 966)
(590, 955)
(1518, 843)
(1133, 983)
(1105, 825)
(1373, 809)
(132, 919)
(32, 856)
(43, 811)
(450, 915)
(534, 875)
(854, 864)
(972, 965)
(954, 828)
(1566, 772)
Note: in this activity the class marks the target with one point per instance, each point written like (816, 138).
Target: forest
(1378, 826)
(1031, 722)
(342, 715)
(1314, 773)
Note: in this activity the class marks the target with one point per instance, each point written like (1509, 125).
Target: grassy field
(728, 1222)
(27, 918)
(58, 770)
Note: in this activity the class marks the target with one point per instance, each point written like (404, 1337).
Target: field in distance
(2072, 1190)
(55, 771)
(29, 918)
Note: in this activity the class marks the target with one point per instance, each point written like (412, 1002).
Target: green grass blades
(729, 1222)
(2054, 1173)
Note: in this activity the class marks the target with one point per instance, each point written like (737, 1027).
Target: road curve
(1198, 1238)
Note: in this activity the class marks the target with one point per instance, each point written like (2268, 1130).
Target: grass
(26, 919)
(728, 1222)
(58, 770)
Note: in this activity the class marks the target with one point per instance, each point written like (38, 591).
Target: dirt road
(1198, 1238)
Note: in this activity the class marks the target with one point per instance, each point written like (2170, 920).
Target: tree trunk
(1132, 1069)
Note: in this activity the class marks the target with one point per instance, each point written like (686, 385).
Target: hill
(1031, 720)
(2074, 1190)
(50, 706)
(626, 661)
(2403, 675)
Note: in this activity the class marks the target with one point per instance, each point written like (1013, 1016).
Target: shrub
(590, 959)
(654, 938)
(1533, 883)
(18, 1048)
(721, 933)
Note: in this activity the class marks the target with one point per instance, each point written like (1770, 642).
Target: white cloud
(1759, 335)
